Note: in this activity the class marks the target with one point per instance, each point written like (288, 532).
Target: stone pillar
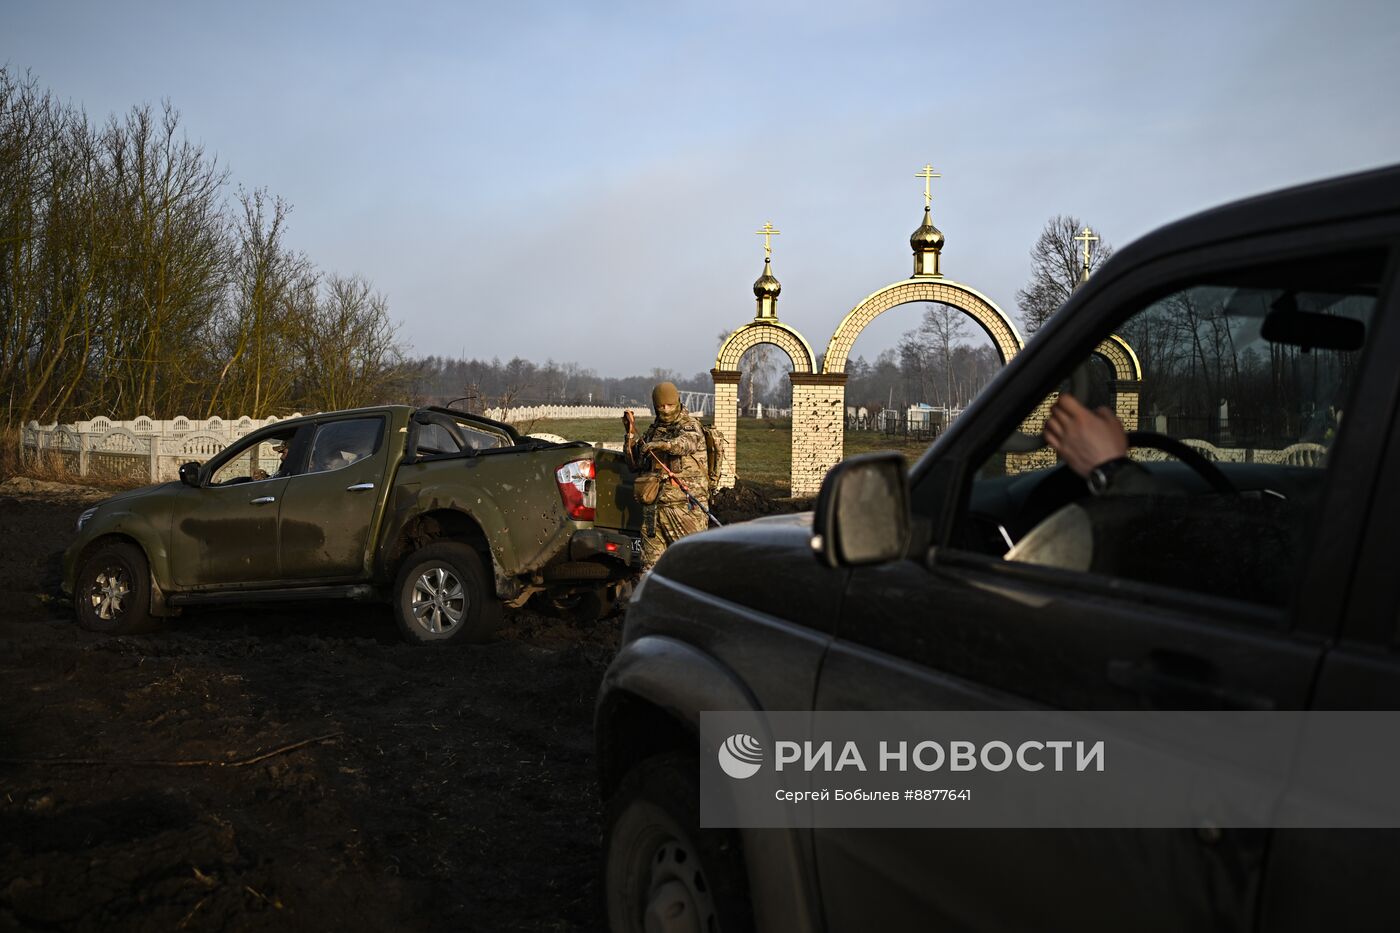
(727, 421)
(818, 428)
(1033, 426)
(1126, 399)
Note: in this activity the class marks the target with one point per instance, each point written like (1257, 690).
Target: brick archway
(726, 375)
(780, 335)
(1127, 378)
(971, 302)
(819, 398)
(1121, 357)
(818, 442)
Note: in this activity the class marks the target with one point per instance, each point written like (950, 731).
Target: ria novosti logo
(741, 756)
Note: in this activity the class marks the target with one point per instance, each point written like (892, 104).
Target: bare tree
(944, 327)
(171, 272)
(53, 245)
(128, 287)
(269, 292)
(757, 365)
(1057, 262)
(348, 355)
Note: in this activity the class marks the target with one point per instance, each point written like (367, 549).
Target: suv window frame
(319, 426)
(240, 446)
(941, 481)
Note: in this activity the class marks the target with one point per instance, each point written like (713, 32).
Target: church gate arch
(726, 376)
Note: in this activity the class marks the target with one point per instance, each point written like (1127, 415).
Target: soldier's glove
(629, 423)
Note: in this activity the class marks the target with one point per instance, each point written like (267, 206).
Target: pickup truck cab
(1255, 572)
(442, 514)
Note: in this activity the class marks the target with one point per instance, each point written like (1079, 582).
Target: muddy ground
(290, 769)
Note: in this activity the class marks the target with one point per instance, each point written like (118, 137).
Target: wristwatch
(1101, 476)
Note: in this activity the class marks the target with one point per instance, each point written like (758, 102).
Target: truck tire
(112, 592)
(441, 597)
(660, 869)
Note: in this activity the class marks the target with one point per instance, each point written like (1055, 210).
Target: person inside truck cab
(280, 446)
(281, 449)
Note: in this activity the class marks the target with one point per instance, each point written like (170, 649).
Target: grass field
(764, 456)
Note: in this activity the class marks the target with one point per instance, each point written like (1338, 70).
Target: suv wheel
(661, 872)
(112, 593)
(441, 597)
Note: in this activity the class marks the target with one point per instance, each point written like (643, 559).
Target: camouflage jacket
(681, 446)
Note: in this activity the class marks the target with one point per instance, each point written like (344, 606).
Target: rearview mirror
(189, 473)
(1312, 331)
(862, 512)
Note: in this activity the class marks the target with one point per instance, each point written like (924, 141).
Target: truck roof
(1347, 197)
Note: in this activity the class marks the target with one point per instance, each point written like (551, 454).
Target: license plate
(636, 545)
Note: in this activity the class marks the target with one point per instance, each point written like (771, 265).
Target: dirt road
(289, 770)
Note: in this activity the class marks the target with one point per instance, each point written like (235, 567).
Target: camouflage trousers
(662, 525)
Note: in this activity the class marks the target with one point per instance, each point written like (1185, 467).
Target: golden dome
(767, 286)
(927, 236)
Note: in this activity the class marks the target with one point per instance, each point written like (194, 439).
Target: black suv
(1261, 393)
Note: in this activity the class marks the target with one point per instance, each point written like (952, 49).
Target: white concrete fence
(151, 450)
(141, 449)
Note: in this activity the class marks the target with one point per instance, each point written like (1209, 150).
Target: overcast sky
(581, 180)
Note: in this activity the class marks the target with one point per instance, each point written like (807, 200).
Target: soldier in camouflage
(676, 439)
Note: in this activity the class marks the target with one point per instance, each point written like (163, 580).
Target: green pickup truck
(444, 515)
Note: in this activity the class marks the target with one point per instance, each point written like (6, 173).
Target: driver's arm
(1084, 438)
(1095, 446)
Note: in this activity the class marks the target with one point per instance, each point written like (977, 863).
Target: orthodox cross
(928, 175)
(768, 233)
(1085, 236)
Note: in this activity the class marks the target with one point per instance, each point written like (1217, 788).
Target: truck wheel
(441, 597)
(660, 870)
(112, 593)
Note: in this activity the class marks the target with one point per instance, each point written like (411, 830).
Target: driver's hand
(1082, 437)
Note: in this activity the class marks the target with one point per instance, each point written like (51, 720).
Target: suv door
(1343, 879)
(328, 510)
(225, 531)
(1187, 599)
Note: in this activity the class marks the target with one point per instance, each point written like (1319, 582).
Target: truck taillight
(576, 485)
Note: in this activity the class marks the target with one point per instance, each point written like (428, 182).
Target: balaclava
(666, 393)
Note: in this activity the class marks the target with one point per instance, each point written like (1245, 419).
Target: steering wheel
(1188, 455)
(1080, 382)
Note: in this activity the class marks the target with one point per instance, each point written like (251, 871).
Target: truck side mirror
(189, 474)
(862, 512)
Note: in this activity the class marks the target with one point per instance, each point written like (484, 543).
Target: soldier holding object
(674, 440)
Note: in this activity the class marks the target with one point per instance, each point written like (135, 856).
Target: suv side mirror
(189, 473)
(862, 512)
